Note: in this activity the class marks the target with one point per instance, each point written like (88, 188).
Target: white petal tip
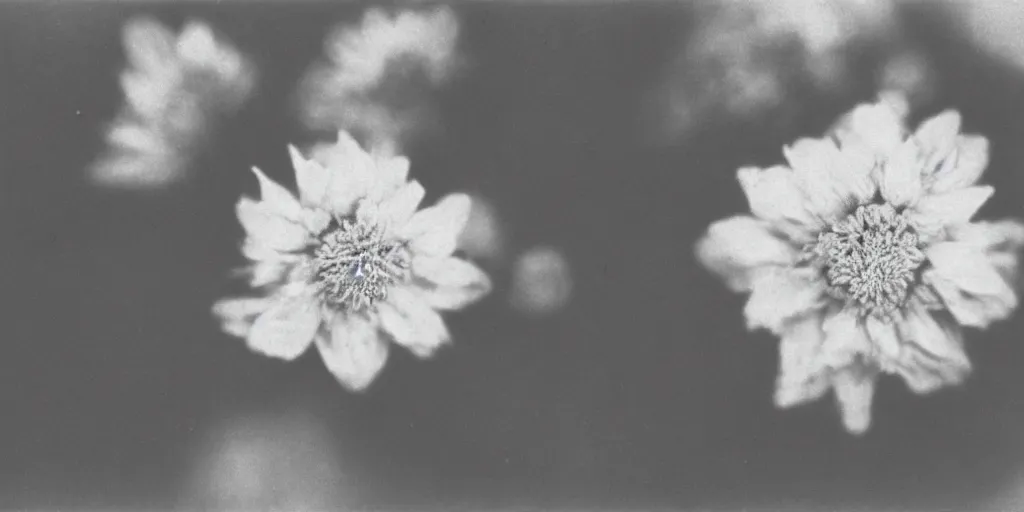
(786, 398)
(460, 200)
(857, 426)
(295, 154)
(346, 139)
(747, 174)
(354, 385)
(948, 120)
(896, 102)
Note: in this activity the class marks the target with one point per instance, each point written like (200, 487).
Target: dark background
(646, 391)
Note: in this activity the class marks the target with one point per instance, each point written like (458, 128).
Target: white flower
(174, 87)
(541, 282)
(862, 257)
(348, 262)
(376, 77)
(483, 238)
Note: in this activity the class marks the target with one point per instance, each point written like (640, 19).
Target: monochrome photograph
(512, 255)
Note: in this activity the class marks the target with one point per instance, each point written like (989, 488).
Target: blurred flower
(909, 72)
(377, 75)
(482, 239)
(993, 25)
(862, 257)
(267, 462)
(175, 88)
(1010, 495)
(541, 282)
(349, 261)
(746, 58)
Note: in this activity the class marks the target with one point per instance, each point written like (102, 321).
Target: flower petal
(344, 153)
(854, 177)
(922, 329)
(935, 212)
(147, 95)
(779, 295)
(196, 44)
(270, 229)
(412, 323)
(975, 292)
(801, 377)
(968, 268)
(448, 271)
(965, 166)
(277, 198)
(255, 251)
(287, 328)
(237, 314)
(236, 328)
(315, 220)
(149, 45)
(134, 137)
(392, 171)
(450, 298)
(813, 161)
(968, 310)
(845, 339)
(901, 175)
(736, 247)
(239, 307)
(345, 192)
(311, 178)
(352, 351)
(924, 373)
(855, 389)
(885, 339)
(434, 231)
(1003, 235)
(933, 355)
(452, 283)
(396, 210)
(263, 273)
(937, 137)
(350, 170)
(876, 129)
(1002, 242)
(774, 196)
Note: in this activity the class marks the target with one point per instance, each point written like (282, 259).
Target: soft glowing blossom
(351, 264)
(541, 282)
(862, 257)
(377, 76)
(744, 59)
(175, 88)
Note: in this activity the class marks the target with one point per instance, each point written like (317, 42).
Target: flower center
(870, 258)
(354, 265)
